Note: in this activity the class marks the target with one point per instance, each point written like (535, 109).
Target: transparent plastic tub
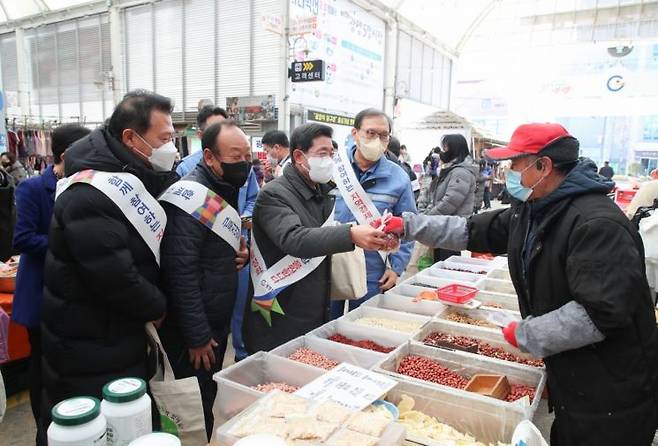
(497, 286)
(405, 303)
(487, 422)
(474, 261)
(433, 281)
(332, 350)
(506, 301)
(361, 312)
(465, 267)
(501, 274)
(450, 310)
(493, 338)
(393, 435)
(406, 289)
(234, 392)
(454, 276)
(468, 365)
(384, 338)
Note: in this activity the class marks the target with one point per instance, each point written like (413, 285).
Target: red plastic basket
(458, 294)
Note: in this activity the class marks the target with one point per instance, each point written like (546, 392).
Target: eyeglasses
(384, 136)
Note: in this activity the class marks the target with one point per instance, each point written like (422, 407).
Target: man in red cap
(577, 265)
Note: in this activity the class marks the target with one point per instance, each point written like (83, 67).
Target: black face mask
(236, 174)
(446, 156)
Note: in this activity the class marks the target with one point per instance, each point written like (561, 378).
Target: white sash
(355, 197)
(129, 194)
(268, 282)
(207, 208)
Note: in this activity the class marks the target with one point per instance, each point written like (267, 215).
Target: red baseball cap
(529, 139)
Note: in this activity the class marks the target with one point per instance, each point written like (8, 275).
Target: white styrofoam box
(500, 273)
(498, 286)
(486, 422)
(234, 392)
(493, 338)
(455, 276)
(351, 330)
(332, 350)
(398, 302)
(467, 365)
(361, 312)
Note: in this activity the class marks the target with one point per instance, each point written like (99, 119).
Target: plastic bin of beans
(244, 382)
(325, 354)
(451, 370)
(348, 333)
(376, 318)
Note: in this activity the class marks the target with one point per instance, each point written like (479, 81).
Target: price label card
(351, 386)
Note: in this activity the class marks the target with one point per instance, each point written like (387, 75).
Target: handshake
(382, 234)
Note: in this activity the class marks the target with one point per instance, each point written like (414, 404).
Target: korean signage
(251, 108)
(349, 386)
(329, 118)
(307, 71)
(351, 42)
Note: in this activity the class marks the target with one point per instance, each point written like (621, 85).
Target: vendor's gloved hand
(509, 333)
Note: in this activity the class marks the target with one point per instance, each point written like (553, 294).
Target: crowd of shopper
(221, 247)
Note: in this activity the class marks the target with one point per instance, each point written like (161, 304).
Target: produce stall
(454, 377)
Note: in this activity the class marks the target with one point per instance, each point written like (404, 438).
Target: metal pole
(77, 55)
(22, 83)
(59, 75)
(183, 78)
(284, 99)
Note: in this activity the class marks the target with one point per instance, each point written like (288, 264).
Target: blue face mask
(514, 186)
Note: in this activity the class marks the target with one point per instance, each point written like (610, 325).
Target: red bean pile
(519, 391)
(367, 344)
(483, 348)
(463, 270)
(268, 387)
(311, 357)
(424, 368)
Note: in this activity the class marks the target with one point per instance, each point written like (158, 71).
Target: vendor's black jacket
(576, 244)
(287, 219)
(101, 279)
(198, 270)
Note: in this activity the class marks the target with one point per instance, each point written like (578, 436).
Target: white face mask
(321, 169)
(162, 159)
(371, 150)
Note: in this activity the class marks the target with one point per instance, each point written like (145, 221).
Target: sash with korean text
(207, 208)
(129, 194)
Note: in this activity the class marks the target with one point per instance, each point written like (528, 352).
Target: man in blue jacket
(388, 187)
(35, 198)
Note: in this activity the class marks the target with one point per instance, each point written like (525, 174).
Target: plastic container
(455, 293)
(348, 329)
(497, 286)
(78, 422)
(127, 409)
(333, 350)
(234, 392)
(468, 365)
(371, 312)
(156, 439)
(500, 273)
(481, 270)
(399, 302)
(437, 271)
(432, 281)
(483, 419)
(261, 440)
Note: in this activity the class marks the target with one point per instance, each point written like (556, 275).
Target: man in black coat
(577, 265)
(288, 218)
(199, 270)
(101, 276)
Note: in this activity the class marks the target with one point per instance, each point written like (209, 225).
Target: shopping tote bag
(178, 400)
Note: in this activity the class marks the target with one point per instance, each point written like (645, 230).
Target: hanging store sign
(307, 71)
(251, 108)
